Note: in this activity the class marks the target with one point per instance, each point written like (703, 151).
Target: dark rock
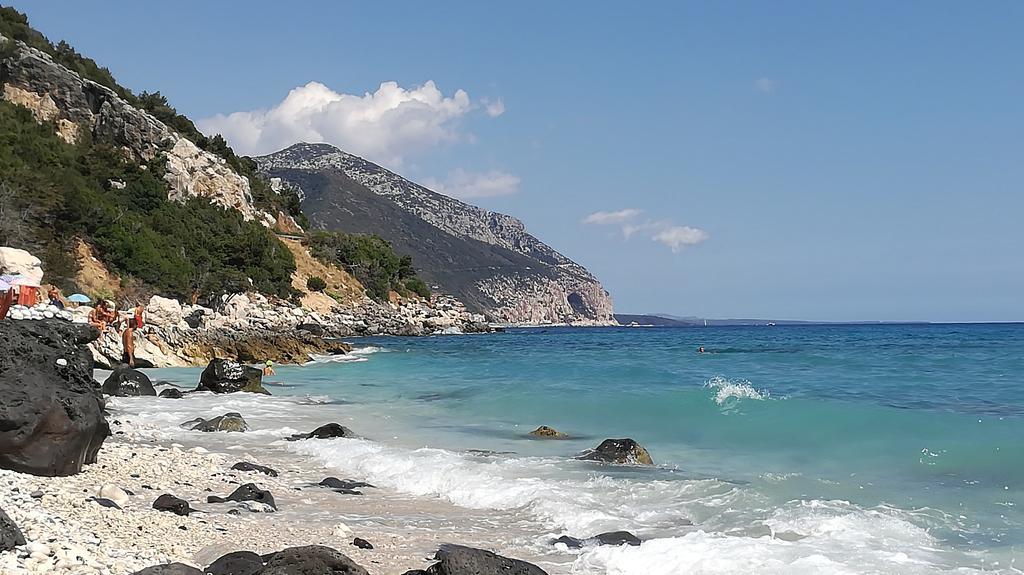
(325, 432)
(362, 543)
(10, 535)
(546, 432)
(168, 502)
(247, 492)
(169, 569)
(127, 382)
(623, 451)
(348, 491)
(227, 422)
(171, 393)
(610, 538)
(226, 376)
(246, 466)
(335, 483)
(104, 502)
(36, 495)
(311, 560)
(237, 563)
(51, 416)
(459, 560)
(311, 328)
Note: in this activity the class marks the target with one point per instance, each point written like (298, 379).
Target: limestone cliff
(485, 258)
(79, 106)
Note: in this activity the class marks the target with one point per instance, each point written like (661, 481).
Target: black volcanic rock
(460, 560)
(311, 560)
(227, 376)
(51, 415)
(621, 451)
(246, 466)
(326, 431)
(247, 492)
(10, 535)
(127, 382)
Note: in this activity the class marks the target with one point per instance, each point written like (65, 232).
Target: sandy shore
(68, 532)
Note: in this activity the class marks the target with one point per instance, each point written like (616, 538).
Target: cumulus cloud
(765, 85)
(385, 126)
(678, 237)
(495, 108)
(665, 232)
(604, 218)
(463, 184)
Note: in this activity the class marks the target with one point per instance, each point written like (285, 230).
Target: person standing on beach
(128, 341)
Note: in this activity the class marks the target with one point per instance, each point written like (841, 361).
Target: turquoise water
(790, 449)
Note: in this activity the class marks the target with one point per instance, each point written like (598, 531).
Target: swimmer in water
(700, 349)
(269, 369)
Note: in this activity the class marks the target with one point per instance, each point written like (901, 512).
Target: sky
(786, 160)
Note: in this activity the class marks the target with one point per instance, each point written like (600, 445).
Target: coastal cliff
(485, 258)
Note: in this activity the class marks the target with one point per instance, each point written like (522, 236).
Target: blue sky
(827, 161)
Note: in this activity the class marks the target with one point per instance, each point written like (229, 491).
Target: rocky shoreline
(255, 328)
(124, 502)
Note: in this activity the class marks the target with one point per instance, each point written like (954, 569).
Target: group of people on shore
(105, 316)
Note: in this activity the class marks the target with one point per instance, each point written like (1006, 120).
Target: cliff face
(82, 108)
(485, 258)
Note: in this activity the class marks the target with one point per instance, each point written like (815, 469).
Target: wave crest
(731, 390)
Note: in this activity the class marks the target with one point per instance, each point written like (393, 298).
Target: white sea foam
(734, 389)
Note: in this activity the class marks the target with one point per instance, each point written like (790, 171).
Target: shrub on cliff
(370, 258)
(316, 283)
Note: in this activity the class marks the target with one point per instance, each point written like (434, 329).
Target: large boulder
(460, 560)
(236, 563)
(175, 505)
(163, 312)
(51, 413)
(621, 451)
(15, 261)
(10, 535)
(226, 376)
(127, 382)
(311, 560)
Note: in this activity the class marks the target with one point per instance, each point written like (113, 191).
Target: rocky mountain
(83, 108)
(486, 259)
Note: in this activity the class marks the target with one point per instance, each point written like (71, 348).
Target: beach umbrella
(79, 298)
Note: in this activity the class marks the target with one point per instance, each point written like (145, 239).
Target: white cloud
(604, 218)
(463, 184)
(678, 237)
(765, 85)
(385, 126)
(665, 232)
(495, 108)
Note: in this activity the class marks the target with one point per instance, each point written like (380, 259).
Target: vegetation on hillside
(371, 260)
(54, 191)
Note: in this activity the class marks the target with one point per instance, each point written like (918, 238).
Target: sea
(797, 449)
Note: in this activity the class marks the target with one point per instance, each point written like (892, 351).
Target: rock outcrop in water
(622, 451)
(51, 413)
(486, 259)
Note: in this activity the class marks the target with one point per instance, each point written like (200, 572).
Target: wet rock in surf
(226, 376)
(311, 559)
(236, 563)
(247, 492)
(175, 505)
(610, 538)
(460, 560)
(335, 483)
(171, 393)
(227, 422)
(621, 451)
(362, 543)
(325, 432)
(127, 382)
(546, 432)
(246, 466)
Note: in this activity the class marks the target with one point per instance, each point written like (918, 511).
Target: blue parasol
(79, 298)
